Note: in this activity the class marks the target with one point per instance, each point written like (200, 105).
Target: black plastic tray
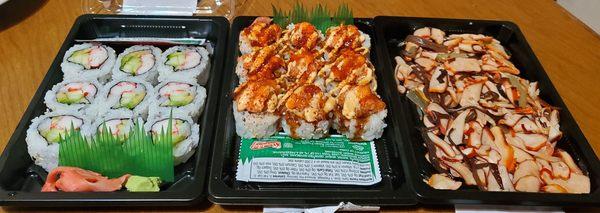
(224, 189)
(21, 180)
(390, 30)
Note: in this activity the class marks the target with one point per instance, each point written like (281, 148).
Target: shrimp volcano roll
(263, 63)
(350, 68)
(91, 61)
(303, 36)
(261, 33)
(46, 131)
(254, 108)
(306, 112)
(303, 68)
(185, 134)
(182, 96)
(72, 94)
(137, 61)
(130, 94)
(359, 114)
(184, 62)
(344, 37)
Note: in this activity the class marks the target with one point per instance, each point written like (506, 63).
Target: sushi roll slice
(185, 134)
(303, 68)
(261, 33)
(254, 108)
(131, 94)
(306, 112)
(72, 94)
(119, 122)
(350, 68)
(91, 61)
(263, 63)
(46, 131)
(303, 35)
(185, 62)
(138, 61)
(184, 97)
(344, 37)
(359, 114)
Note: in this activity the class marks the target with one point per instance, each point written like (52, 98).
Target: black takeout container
(392, 30)
(21, 179)
(224, 189)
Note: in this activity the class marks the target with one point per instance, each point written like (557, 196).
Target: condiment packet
(324, 209)
(159, 7)
(332, 160)
(505, 208)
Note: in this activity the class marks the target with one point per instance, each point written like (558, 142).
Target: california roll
(46, 131)
(138, 61)
(128, 93)
(186, 62)
(181, 96)
(184, 132)
(92, 61)
(72, 94)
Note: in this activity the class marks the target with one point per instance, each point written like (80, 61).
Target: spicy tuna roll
(344, 37)
(180, 95)
(47, 130)
(359, 113)
(264, 63)
(261, 33)
(306, 112)
(186, 62)
(185, 134)
(129, 93)
(138, 61)
(254, 108)
(91, 61)
(72, 94)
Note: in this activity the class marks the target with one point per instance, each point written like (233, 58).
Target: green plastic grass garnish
(280, 17)
(139, 154)
(299, 13)
(343, 15)
(319, 16)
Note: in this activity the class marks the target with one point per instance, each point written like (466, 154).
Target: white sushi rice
(104, 103)
(308, 130)
(255, 125)
(52, 103)
(193, 109)
(199, 72)
(77, 71)
(245, 45)
(150, 75)
(42, 152)
(371, 130)
(186, 148)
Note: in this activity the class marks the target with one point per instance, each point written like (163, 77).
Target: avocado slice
(52, 135)
(74, 97)
(176, 59)
(180, 99)
(131, 62)
(81, 57)
(131, 99)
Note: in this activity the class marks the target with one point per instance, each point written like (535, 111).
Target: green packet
(332, 160)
